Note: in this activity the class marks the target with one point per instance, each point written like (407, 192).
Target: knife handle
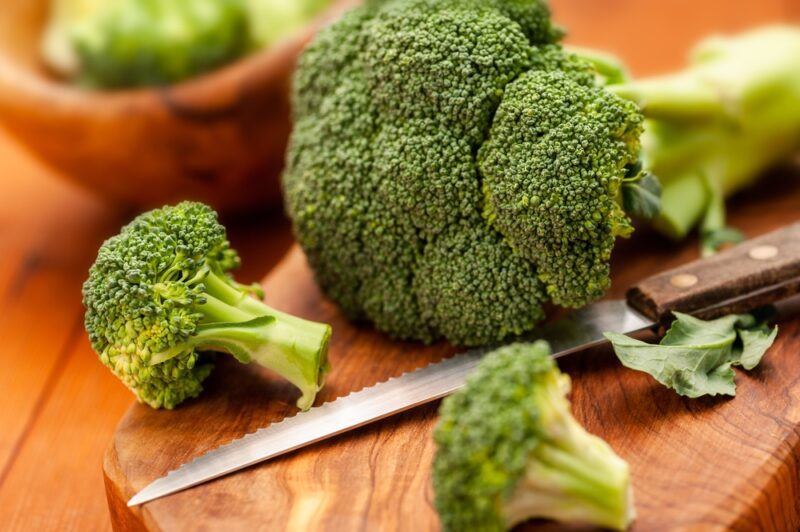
(755, 273)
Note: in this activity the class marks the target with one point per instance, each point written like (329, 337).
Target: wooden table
(59, 405)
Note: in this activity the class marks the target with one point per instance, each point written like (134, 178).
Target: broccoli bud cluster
(509, 449)
(159, 298)
(452, 168)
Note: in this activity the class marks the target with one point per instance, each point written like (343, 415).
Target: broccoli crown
(158, 295)
(151, 42)
(140, 299)
(452, 168)
(508, 449)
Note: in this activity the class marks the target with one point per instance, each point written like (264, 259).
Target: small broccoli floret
(159, 297)
(421, 127)
(509, 449)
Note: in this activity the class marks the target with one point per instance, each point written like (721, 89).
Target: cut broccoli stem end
(302, 350)
(235, 323)
(684, 202)
(576, 479)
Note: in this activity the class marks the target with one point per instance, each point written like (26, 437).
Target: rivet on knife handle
(753, 274)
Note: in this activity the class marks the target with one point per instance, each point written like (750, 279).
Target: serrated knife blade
(579, 330)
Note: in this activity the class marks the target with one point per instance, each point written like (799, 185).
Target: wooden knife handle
(755, 273)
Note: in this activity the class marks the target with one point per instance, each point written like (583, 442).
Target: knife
(759, 272)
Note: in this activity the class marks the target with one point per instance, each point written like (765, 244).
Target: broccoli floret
(422, 128)
(132, 43)
(508, 450)
(159, 297)
(714, 127)
(152, 42)
(549, 130)
(474, 288)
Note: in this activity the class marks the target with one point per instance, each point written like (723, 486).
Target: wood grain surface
(58, 405)
(710, 463)
(53, 427)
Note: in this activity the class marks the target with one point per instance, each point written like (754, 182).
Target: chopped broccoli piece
(452, 169)
(509, 449)
(159, 296)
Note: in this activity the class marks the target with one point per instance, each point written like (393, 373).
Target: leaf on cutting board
(695, 357)
(754, 344)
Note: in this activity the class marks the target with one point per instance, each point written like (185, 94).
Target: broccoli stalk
(510, 450)
(235, 323)
(158, 296)
(713, 129)
(571, 476)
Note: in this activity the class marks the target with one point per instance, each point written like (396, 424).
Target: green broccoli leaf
(695, 357)
(641, 196)
(754, 345)
(712, 240)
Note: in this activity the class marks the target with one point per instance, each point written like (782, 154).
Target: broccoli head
(159, 297)
(452, 169)
(509, 449)
(144, 42)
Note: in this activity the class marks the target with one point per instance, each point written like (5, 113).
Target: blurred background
(77, 160)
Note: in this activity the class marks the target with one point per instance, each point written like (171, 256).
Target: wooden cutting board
(709, 464)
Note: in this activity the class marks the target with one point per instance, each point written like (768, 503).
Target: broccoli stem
(237, 324)
(578, 478)
(715, 127)
(296, 354)
(683, 201)
(572, 475)
(679, 97)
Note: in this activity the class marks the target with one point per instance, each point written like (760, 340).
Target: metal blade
(584, 328)
(581, 329)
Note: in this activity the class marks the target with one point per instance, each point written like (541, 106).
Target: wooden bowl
(218, 138)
